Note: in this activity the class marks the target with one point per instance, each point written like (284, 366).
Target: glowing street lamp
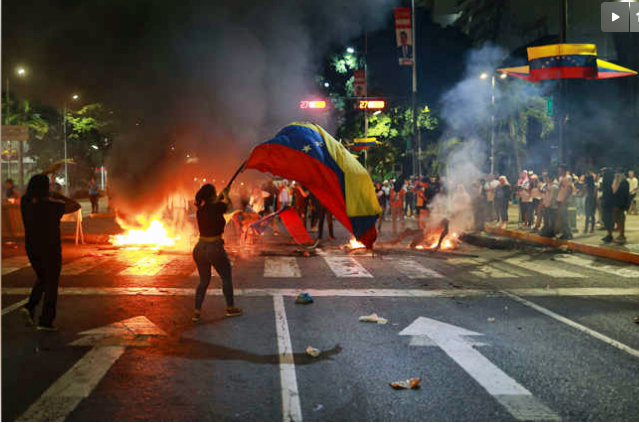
(484, 75)
(66, 165)
(21, 71)
(350, 50)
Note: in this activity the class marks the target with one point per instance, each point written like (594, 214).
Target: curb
(624, 256)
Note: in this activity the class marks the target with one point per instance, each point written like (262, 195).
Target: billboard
(404, 35)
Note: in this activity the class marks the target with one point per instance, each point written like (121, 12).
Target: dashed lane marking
(413, 269)
(13, 264)
(346, 267)
(14, 306)
(291, 407)
(573, 324)
(281, 267)
(623, 271)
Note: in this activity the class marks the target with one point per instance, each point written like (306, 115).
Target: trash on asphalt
(373, 318)
(313, 352)
(412, 383)
(304, 298)
(636, 320)
(318, 407)
(491, 319)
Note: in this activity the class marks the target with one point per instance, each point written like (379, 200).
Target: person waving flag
(306, 153)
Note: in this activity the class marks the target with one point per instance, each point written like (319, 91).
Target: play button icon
(615, 17)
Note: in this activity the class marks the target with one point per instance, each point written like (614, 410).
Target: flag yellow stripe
(561, 50)
(612, 67)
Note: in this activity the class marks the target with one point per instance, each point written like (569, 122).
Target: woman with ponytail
(209, 250)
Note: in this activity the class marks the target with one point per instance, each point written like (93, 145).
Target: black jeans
(47, 266)
(207, 254)
(94, 202)
(329, 221)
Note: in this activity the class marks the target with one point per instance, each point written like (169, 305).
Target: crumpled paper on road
(411, 383)
(373, 318)
(313, 352)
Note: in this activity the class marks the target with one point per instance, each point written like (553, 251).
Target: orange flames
(151, 232)
(354, 244)
(430, 243)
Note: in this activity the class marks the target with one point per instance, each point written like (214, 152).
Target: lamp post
(66, 164)
(485, 76)
(21, 72)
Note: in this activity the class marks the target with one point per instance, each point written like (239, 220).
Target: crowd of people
(546, 202)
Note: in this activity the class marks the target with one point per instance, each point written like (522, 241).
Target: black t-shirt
(210, 219)
(42, 224)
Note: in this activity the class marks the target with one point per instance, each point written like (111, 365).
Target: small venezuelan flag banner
(306, 153)
(563, 61)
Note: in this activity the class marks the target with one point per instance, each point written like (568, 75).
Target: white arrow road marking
(510, 394)
(575, 325)
(291, 407)
(109, 343)
(346, 267)
(281, 267)
(413, 269)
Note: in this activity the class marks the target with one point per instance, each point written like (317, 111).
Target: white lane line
(13, 264)
(79, 266)
(623, 271)
(481, 270)
(543, 267)
(66, 393)
(573, 324)
(346, 267)
(281, 267)
(413, 269)
(148, 266)
(291, 407)
(181, 266)
(398, 293)
(14, 306)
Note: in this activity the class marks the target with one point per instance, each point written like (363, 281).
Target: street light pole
(66, 165)
(416, 134)
(492, 121)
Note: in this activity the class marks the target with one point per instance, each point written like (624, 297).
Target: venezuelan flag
(306, 153)
(364, 145)
(563, 61)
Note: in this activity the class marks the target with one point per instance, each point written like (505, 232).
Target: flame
(432, 239)
(354, 244)
(153, 234)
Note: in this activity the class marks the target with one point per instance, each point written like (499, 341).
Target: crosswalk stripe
(482, 270)
(543, 267)
(413, 269)
(79, 266)
(13, 264)
(180, 266)
(346, 267)
(148, 266)
(623, 271)
(281, 267)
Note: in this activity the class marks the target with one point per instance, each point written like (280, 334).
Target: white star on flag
(320, 143)
(306, 148)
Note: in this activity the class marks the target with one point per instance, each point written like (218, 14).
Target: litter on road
(304, 298)
(491, 319)
(313, 352)
(412, 383)
(373, 318)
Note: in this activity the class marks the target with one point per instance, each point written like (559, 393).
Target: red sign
(359, 82)
(372, 104)
(404, 34)
(313, 104)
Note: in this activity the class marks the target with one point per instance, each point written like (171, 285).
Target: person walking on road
(590, 195)
(397, 205)
(607, 204)
(94, 195)
(209, 251)
(563, 198)
(41, 214)
(621, 195)
(502, 198)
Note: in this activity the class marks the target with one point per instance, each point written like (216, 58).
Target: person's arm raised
(70, 205)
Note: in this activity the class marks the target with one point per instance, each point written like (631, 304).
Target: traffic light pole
(416, 134)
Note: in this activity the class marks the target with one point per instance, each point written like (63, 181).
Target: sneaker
(47, 328)
(233, 311)
(27, 315)
(607, 238)
(196, 316)
(620, 240)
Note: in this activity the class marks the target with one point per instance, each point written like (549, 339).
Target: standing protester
(590, 196)
(300, 201)
(386, 189)
(10, 192)
(526, 199)
(633, 183)
(607, 203)
(209, 250)
(523, 179)
(324, 213)
(420, 201)
(381, 198)
(94, 195)
(490, 186)
(502, 199)
(579, 195)
(537, 196)
(397, 205)
(551, 189)
(41, 214)
(621, 195)
(409, 199)
(478, 199)
(563, 197)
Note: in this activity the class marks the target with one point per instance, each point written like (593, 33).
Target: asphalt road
(493, 335)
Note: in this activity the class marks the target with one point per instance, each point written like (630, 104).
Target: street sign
(109, 343)
(359, 82)
(454, 341)
(372, 104)
(312, 104)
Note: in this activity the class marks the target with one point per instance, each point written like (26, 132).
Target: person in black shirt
(41, 214)
(209, 250)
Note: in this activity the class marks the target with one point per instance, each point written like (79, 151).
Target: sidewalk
(589, 243)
